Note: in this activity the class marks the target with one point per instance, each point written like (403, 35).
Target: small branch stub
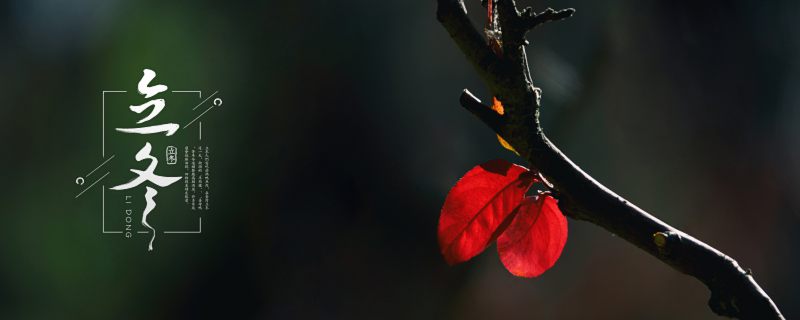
(532, 20)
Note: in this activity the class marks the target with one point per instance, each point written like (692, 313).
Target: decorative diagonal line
(98, 167)
(92, 185)
(198, 117)
(204, 101)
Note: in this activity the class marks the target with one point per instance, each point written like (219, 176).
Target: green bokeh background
(341, 134)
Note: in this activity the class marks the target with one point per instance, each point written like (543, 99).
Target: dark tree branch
(734, 292)
(491, 118)
(531, 19)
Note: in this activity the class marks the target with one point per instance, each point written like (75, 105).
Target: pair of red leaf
(489, 204)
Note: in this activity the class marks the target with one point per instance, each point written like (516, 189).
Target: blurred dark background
(341, 135)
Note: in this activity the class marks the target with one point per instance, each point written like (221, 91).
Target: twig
(734, 292)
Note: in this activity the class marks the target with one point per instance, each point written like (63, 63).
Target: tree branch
(532, 19)
(734, 292)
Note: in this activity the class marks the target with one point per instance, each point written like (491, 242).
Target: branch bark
(734, 291)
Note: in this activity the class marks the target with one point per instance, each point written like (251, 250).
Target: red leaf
(477, 206)
(534, 240)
